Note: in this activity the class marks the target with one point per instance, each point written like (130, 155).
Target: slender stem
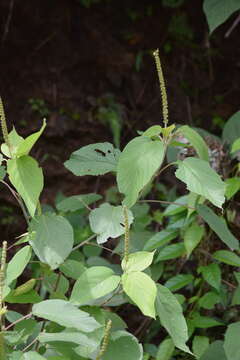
(31, 344)
(2, 281)
(84, 242)
(168, 202)
(127, 236)
(25, 317)
(105, 340)
(165, 167)
(4, 126)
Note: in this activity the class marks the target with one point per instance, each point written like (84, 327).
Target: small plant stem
(19, 200)
(4, 125)
(31, 344)
(2, 308)
(105, 342)
(127, 236)
(168, 203)
(162, 87)
(165, 167)
(84, 242)
(25, 317)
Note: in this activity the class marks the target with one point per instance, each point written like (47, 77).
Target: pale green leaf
(31, 355)
(218, 11)
(209, 300)
(17, 264)
(27, 177)
(218, 226)
(26, 145)
(212, 275)
(179, 281)
(171, 252)
(171, 316)
(123, 346)
(215, 352)
(231, 130)
(137, 261)
(72, 268)
(15, 140)
(94, 283)
(77, 202)
(201, 179)
(236, 146)
(142, 291)
(200, 345)
(154, 130)
(196, 141)
(233, 186)
(231, 342)
(138, 163)
(107, 221)
(94, 159)
(227, 257)
(192, 237)
(51, 239)
(165, 350)
(65, 314)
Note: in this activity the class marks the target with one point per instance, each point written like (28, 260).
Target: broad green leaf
(209, 300)
(196, 141)
(108, 221)
(218, 11)
(236, 145)
(72, 268)
(65, 314)
(154, 130)
(31, 297)
(17, 264)
(231, 130)
(137, 261)
(227, 257)
(218, 225)
(161, 238)
(142, 291)
(117, 321)
(215, 352)
(201, 179)
(174, 209)
(171, 252)
(205, 322)
(123, 346)
(192, 237)
(94, 159)
(27, 178)
(51, 239)
(77, 202)
(233, 186)
(231, 342)
(15, 140)
(95, 282)
(200, 345)
(31, 355)
(171, 317)
(179, 281)
(138, 163)
(212, 275)
(165, 350)
(26, 145)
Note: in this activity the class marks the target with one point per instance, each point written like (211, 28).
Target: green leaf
(235, 146)
(137, 261)
(171, 252)
(154, 130)
(161, 238)
(94, 283)
(51, 239)
(17, 264)
(227, 257)
(142, 291)
(171, 316)
(212, 275)
(65, 314)
(94, 159)
(123, 346)
(179, 281)
(231, 342)
(192, 237)
(26, 145)
(233, 186)
(196, 141)
(231, 130)
(77, 202)
(15, 140)
(27, 178)
(218, 225)
(218, 11)
(209, 300)
(31, 297)
(108, 221)
(138, 163)
(201, 179)
(72, 268)
(215, 352)
(204, 322)
(31, 355)
(236, 297)
(200, 345)
(165, 350)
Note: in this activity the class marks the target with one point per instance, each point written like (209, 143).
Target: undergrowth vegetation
(165, 257)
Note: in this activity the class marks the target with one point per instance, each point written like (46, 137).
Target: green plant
(178, 276)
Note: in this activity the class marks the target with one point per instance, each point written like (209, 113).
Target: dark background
(70, 57)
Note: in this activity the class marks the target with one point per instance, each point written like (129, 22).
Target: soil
(71, 56)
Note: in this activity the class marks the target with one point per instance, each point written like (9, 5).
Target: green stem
(4, 125)
(2, 307)
(127, 236)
